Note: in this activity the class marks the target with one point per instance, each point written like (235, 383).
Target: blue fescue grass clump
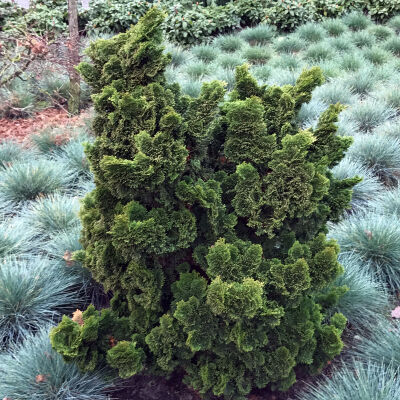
(311, 32)
(205, 52)
(318, 52)
(341, 43)
(225, 75)
(394, 23)
(357, 21)
(16, 237)
(257, 54)
(33, 370)
(376, 55)
(365, 293)
(196, 69)
(390, 128)
(380, 154)
(72, 154)
(49, 139)
(381, 32)
(33, 291)
(260, 34)
(230, 60)
(382, 345)
(334, 27)
(363, 39)
(351, 62)
(52, 214)
(388, 203)
(375, 239)
(283, 77)
(309, 112)
(261, 72)
(335, 92)
(229, 43)
(393, 45)
(365, 191)
(11, 152)
(290, 44)
(286, 61)
(330, 69)
(356, 380)
(369, 114)
(362, 81)
(388, 94)
(191, 87)
(178, 55)
(28, 180)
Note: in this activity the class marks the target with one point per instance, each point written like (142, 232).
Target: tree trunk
(74, 78)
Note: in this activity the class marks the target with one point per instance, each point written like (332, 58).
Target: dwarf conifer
(207, 224)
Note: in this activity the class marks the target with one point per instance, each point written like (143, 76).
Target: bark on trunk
(74, 78)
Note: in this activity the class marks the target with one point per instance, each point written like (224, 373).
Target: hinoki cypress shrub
(207, 224)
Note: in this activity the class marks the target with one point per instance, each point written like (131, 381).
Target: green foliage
(21, 365)
(115, 16)
(207, 223)
(382, 10)
(289, 14)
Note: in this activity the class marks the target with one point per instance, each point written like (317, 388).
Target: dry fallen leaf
(369, 234)
(68, 258)
(77, 317)
(40, 378)
(112, 341)
(396, 312)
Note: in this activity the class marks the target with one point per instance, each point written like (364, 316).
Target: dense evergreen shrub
(208, 225)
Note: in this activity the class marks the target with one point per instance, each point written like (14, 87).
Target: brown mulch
(20, 128)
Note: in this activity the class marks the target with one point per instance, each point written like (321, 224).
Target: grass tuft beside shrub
(364, 293)
(33, 370)
(356, 380)
(375, 239)
(363, 192)
(34, 291)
